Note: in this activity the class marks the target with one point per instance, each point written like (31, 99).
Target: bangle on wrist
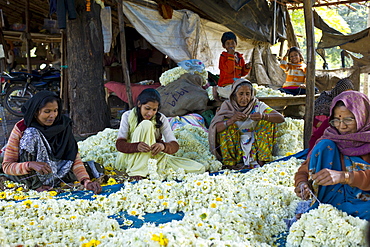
(225, 123)
(346, 178)
(85, 181)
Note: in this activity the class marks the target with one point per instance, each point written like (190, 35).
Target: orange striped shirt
(295, 74)
(11, 166)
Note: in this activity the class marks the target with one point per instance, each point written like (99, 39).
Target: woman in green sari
(140, 140)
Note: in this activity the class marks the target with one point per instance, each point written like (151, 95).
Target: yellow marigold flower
(73, 217)
(2, 195)
(219, 199)
(108, 168)
(200, 224)
(53, 193)
(32, 223)
(36, 206)
(199, 183)
(91, 243)
(160, 197)
(10, 185)
(19, 189)
(282, 173)
(27, 203)
(111, 181)
(82, 238)
(161, 239)
(165, 204)
(289, 153)
(213, 205)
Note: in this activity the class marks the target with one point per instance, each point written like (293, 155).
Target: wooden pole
(366, 75)
(126, 76)
(64, 71)
(310, 71)
(28, 41)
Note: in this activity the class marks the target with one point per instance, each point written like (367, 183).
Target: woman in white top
(140, 139)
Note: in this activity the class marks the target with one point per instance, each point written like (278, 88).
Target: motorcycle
(18, 87)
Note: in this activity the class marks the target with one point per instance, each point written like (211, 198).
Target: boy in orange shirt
(231, 64)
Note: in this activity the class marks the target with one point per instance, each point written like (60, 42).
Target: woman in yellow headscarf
(140, 139)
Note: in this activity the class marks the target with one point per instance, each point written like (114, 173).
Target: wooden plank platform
(285, 101)
(278, 103)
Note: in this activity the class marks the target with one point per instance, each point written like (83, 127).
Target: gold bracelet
(346, 177)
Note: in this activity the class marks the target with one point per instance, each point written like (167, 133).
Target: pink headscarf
(354, 144)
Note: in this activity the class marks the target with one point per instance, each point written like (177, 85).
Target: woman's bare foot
(136, 178)
(261, 163)
(44, 188)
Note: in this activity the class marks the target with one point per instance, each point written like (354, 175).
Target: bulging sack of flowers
(185, 95)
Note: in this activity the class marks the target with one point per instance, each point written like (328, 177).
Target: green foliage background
(342, 18)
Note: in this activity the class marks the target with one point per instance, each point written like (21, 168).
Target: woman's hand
(94, 186)
(156, 148)
(248, 65)
(303, 190)
(238, 116)
(143, 147)
(40, 167)
(256, 116)
(327, 177)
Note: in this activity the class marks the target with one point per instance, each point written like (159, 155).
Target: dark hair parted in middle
(149, 95)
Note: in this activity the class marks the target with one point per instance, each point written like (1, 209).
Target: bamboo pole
(28, 40)
(126, 76)
(310, 71)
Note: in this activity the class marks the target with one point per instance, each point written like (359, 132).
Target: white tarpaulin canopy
(184, 36)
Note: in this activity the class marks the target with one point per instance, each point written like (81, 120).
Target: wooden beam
(28, 40)
(126, 75)
(310, 71)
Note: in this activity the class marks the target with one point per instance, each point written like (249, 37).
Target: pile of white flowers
(230, 209)
(175, 73)
(2, 237)
(194, 145)
(327, 226)
(263, 91)
(100, 148)
(289, 137)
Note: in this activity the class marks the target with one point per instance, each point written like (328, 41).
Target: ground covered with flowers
(216, 208)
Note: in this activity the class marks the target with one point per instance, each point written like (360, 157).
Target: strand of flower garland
(311, 192)
(53, 175)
